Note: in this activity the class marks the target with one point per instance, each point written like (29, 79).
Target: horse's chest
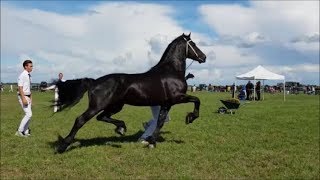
(176, 87)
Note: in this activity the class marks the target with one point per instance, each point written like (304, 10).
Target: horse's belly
(142, 101)
(151, 94)
(145, 98)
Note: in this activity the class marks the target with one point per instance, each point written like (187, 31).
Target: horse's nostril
(204, 58)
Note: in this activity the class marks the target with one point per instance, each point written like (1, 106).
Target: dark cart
(229, 107)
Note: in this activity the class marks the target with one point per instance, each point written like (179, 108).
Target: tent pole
(284, 90)
(262, 90)
(254, 89)
(234, 89)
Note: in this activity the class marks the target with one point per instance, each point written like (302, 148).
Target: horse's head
(177, 51)
(192, 51)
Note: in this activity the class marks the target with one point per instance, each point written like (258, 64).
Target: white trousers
(56, 97)
(152, 124)
(24, 124)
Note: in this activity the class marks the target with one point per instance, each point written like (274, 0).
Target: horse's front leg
(161, 118)
(191, 116)
(80, 121)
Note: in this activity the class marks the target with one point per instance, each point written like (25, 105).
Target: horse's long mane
(166, 53)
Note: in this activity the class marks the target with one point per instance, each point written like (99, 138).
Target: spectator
(56, 107)
(194, 88)
(11, 88)
(242, 93)
(25, 98)
(258, 90)
(249, 89)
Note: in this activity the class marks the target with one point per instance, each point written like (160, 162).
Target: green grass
(266, 139)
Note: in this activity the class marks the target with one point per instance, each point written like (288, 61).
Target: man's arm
(21, 93)
(50, 87)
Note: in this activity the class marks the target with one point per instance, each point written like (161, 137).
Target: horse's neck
(173, 61)
(174, 65)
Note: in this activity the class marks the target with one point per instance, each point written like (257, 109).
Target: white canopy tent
(260, 73)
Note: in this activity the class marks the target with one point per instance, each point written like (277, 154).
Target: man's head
(60, 75)
(27, 65)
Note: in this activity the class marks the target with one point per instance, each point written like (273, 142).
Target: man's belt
(26, 95)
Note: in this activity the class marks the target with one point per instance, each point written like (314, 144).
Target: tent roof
(260, 73)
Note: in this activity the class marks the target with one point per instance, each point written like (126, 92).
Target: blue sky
(92, 38)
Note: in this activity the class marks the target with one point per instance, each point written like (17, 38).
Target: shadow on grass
(112, 141)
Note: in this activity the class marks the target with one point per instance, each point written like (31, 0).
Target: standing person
(249, 89)
(11, 88)
(258, 90)
(194, 88)
(233, 90)
(25, 98)
(151, 125)
(56, 94)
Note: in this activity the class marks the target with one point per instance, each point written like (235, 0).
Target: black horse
(164, 85)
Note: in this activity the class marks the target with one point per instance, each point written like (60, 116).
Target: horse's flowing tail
(71, 91)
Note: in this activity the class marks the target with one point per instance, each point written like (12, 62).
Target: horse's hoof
(120, 130)
(189, 118)
(61, 148)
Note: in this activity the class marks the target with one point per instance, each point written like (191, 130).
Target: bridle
(187, 45)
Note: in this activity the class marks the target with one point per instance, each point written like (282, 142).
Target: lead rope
(189, 65)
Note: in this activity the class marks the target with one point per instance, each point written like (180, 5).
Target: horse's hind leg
(106, 117)
(80, 121)
(120, 125)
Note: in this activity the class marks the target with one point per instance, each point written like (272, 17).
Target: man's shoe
(20, 134)
(143, 141)
(27, 132)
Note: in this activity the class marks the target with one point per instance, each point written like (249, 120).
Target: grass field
(266, 139)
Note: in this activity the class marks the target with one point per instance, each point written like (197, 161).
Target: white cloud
(229, 19)
(299, 72)
(301, 68)
(309, 38)
(278, 20)
(206, 76)
(130, 37)
(293, 25)
(305, 43)
(115, 38)
(304, 47)
(246, 41)
(230, 56)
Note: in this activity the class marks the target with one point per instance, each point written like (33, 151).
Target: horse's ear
(183, 34)
(189, 34)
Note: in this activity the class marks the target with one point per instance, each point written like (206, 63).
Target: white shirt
(25, 81)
